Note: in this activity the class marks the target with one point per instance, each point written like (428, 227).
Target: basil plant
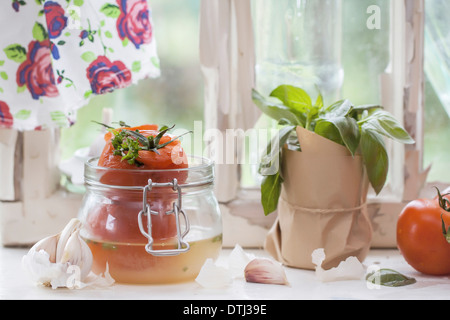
(360, 129)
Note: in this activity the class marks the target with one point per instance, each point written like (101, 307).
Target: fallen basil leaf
(389, 278)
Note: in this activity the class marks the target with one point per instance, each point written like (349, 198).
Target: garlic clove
(73, 225)
(77, 253)
(47, 244)
(265, 271)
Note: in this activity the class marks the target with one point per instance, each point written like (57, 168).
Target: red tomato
(420, 238)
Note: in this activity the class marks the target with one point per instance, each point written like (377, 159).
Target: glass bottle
(298, 42)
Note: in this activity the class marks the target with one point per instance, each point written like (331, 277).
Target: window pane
(324, 43)
(437, 90)
(365, 51)
(174, 98)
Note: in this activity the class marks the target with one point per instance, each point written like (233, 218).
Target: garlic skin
(266, 271)
(62, 260)
(213, 276)
(238, 260)
(42, 271)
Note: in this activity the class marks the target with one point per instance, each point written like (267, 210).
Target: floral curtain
(56, 55)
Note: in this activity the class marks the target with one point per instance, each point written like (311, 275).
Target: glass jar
(184, 230)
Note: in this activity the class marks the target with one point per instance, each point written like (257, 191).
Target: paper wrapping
(322, 205)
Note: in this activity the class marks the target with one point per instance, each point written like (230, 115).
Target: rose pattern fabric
(133, 23)
(57, 54)
(36, 71)
(6, 118)
(56, 19)
(106, 76)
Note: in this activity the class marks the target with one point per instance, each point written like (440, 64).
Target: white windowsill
(15, 284)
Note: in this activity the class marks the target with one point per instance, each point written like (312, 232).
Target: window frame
(402, 85)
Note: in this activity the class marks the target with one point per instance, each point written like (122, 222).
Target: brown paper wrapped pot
(322, 205)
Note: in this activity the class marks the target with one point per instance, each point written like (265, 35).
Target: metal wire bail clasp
(182, 246)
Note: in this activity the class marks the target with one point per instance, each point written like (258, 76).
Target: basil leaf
(390, 278)
(270, 161)
(347, 129)
(384, 123)
(293, 97)
(276, 110)
(319, 100)
(270, 192)
(270, 169)
(328, 130)
(375, 157)
(340, 108)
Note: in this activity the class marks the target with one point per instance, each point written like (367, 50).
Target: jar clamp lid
(182, 246)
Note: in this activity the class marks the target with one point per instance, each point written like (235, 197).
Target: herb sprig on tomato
(127, 141)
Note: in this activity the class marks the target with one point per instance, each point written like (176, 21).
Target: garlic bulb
(266, 271)
(61, 260)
